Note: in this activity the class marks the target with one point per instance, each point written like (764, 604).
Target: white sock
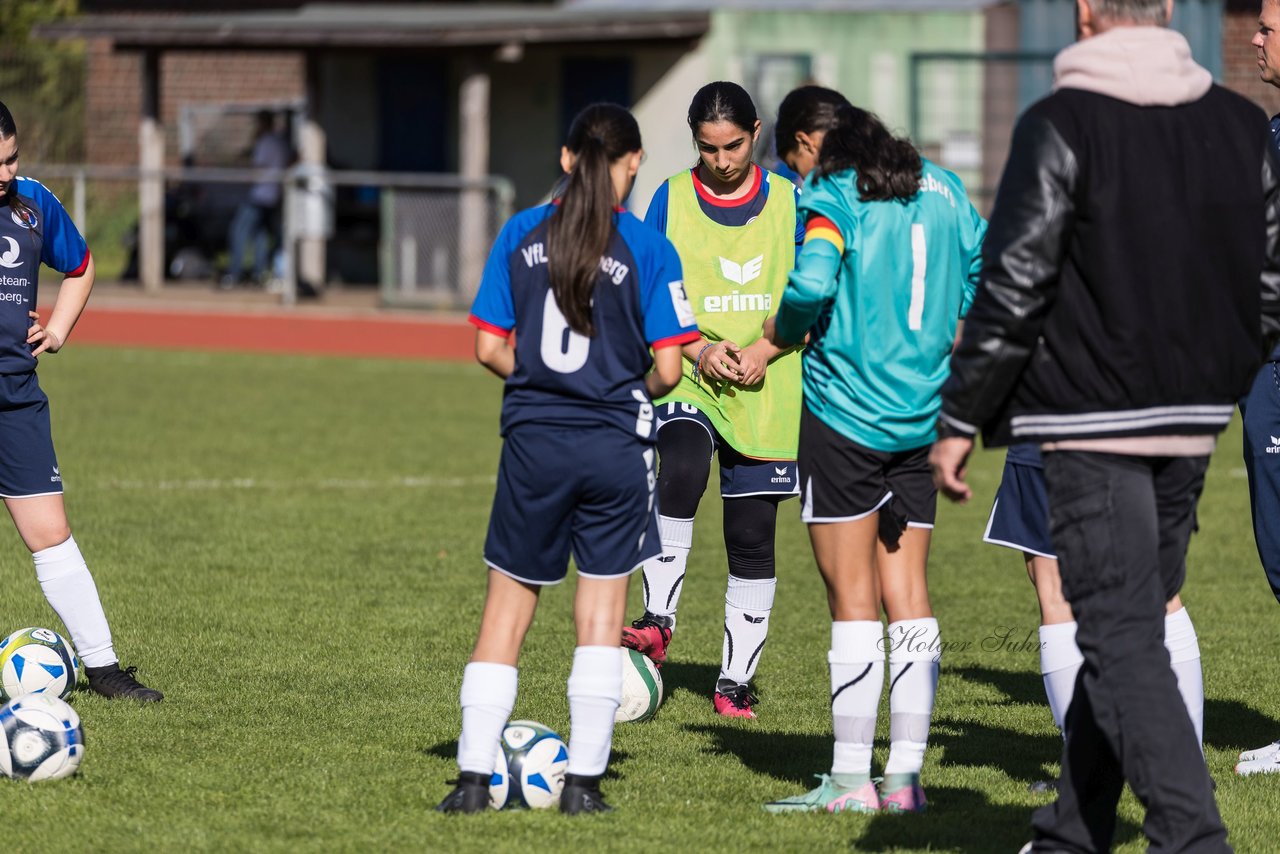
(595, 691)
(914, 656)
(1184, 657)
(70, 590)
(747, 603)
(1060, 661)
(663, 576)
(488, 695)
(857, 677)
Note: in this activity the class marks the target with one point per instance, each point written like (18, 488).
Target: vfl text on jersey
(536, 253)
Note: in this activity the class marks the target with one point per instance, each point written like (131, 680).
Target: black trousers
(1120, 527)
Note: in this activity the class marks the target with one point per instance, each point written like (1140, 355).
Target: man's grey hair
(1150, 12)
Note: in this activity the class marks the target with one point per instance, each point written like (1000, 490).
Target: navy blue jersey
(735, 212)
(1025, 454)
(561, 377)
(43, 233)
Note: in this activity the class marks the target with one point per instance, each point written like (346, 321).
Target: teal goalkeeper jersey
(881, 286)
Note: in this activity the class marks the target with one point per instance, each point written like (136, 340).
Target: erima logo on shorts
(9, 257)
(781, 473)
(1275, 446)
(741, 274)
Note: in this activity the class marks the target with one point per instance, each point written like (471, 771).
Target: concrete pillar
(150, 184)
(473, 163)
(312, 152)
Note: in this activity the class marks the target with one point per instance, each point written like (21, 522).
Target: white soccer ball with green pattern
(641, 688)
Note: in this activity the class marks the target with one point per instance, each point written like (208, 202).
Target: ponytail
(579, 230)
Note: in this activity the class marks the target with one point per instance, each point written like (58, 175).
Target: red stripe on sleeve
(486, 326)
(676, 340)
(815, 222)
(84, 265)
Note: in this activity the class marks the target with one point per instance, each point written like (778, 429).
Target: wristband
(697, 363)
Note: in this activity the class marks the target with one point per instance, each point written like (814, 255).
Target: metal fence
(964, 107)
(421, 239)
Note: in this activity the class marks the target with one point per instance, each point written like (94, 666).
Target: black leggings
(684, 455)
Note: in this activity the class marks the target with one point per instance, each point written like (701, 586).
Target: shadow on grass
(1020, 686)
(1230, 724)
(957, 819)
(449, 750)
(1021, 756)
(965, 820)
(694, 676)
(787, 756)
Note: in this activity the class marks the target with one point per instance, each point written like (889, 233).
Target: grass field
(290, 548)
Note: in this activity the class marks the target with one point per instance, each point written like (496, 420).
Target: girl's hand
(754, 361)
(46, 341)
(720, 362)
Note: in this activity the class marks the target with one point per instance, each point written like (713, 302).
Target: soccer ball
(37, 661)
(40, 738)
(536, 759)
(499, 783)
(641, 688)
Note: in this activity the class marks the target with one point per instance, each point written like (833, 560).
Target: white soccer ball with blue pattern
(536, 761)
(40, 738)
(37, 661)
(499, 783)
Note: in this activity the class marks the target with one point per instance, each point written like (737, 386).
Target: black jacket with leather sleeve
(1131, 272)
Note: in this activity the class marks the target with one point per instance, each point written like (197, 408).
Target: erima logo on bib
(1275, 445)
(741, 274)
(9, 258)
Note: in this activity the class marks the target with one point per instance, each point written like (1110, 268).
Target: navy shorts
(28, 465)
(1020, 514)
(844, 481)
(585, 491)
(740, 476)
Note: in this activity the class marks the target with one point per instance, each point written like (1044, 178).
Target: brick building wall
(114, 98)
(1240, 59)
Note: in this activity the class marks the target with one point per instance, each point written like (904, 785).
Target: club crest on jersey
(741, 274)
(24, 218)
(9, 256)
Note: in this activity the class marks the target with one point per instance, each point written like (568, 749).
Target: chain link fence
(420, 239)
(423, 255)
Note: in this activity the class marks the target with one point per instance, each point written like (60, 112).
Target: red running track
(279, 332)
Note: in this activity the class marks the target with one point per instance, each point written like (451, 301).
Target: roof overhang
(365, 26)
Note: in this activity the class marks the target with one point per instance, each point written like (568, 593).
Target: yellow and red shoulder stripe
(821, 228)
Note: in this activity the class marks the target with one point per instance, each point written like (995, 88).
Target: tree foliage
(42, 82)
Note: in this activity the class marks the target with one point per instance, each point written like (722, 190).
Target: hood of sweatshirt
(1146, 66)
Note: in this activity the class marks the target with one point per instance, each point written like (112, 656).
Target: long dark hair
(722, 101)
(578, 232)
(888, 167)
(20, 210)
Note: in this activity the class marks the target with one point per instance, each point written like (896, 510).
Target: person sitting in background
(258, 218)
